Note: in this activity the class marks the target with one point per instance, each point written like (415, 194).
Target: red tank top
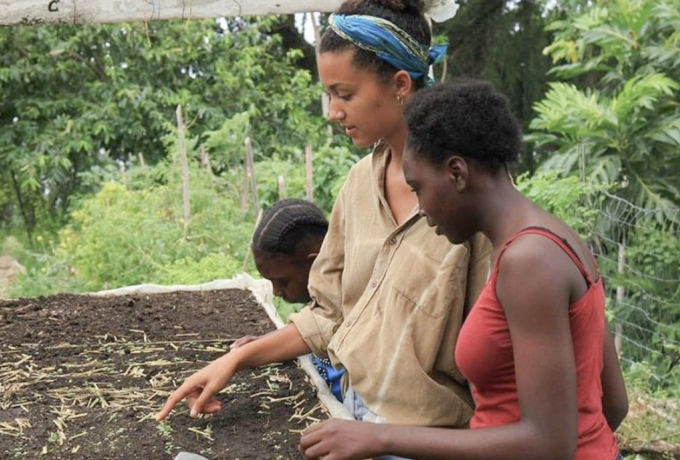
(484, 356)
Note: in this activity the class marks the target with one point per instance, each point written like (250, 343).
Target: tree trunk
(29, 222)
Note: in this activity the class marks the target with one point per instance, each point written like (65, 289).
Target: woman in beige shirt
(388, 293)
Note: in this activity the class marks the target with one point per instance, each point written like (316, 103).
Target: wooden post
(310, 183)
(243, 198)
(205, 159)
(244, 192)
(250, 176)
(140, 155)
(620, 297)
(123, 173)
(184, 162)
(283, 189)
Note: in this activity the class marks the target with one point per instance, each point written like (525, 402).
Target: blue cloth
(330, 374)
(389, 42)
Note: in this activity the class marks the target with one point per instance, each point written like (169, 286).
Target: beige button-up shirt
(388, 303)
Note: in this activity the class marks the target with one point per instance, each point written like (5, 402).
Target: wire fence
(638, 251)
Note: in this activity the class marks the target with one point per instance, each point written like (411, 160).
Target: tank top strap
(559, 241)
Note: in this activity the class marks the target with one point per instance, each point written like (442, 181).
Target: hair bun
(406, 6)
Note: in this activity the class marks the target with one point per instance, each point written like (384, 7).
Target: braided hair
(406, 14)
(288, 226)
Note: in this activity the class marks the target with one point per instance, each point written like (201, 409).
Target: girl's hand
(341, 440)
(200, 388)
(242, 341)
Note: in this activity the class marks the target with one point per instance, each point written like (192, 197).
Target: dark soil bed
(82, 378)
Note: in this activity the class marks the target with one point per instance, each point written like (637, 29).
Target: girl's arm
(534, 287)
(199, 388)
(614, 396)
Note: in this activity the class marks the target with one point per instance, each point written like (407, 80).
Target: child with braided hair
(285, 244)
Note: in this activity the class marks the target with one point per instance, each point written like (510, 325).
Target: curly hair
(406, 14)
(463, 117)
(289, 226)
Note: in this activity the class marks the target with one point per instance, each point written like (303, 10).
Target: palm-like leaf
(626, 129)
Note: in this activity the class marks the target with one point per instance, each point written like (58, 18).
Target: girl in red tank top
(484, 353)
(535, 346)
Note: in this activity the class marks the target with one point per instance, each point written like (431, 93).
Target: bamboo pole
(184, 162)
(283, 189)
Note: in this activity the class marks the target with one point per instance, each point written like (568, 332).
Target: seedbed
(81, 377)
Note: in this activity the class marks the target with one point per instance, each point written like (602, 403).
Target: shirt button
(349, 322)
(393, 241)
(373, 284)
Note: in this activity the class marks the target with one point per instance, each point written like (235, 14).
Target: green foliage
(617, 139)
(76, 99)
(624, 127)
(46, 274)
(619, 39)
(330, 163)
(286, 309)
(331, 166)
(292, 171)
(133, 231)
(565, 197)
(123, 236)
(190, 271)
(650, 312)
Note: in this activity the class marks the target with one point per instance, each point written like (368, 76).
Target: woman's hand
(341, 440)
(200, 388)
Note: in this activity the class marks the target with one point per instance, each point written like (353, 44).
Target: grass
(651, 430)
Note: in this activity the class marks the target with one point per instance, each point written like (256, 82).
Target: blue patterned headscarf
(389, 43)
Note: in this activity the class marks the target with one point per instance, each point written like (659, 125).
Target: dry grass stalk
(134, 371)
(77, 436)
(206, 433)
(10, 429)
(285, 398)
(216, 349)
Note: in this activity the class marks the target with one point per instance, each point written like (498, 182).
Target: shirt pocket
(432, 276)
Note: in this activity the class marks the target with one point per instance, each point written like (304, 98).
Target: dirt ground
(82, 377)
